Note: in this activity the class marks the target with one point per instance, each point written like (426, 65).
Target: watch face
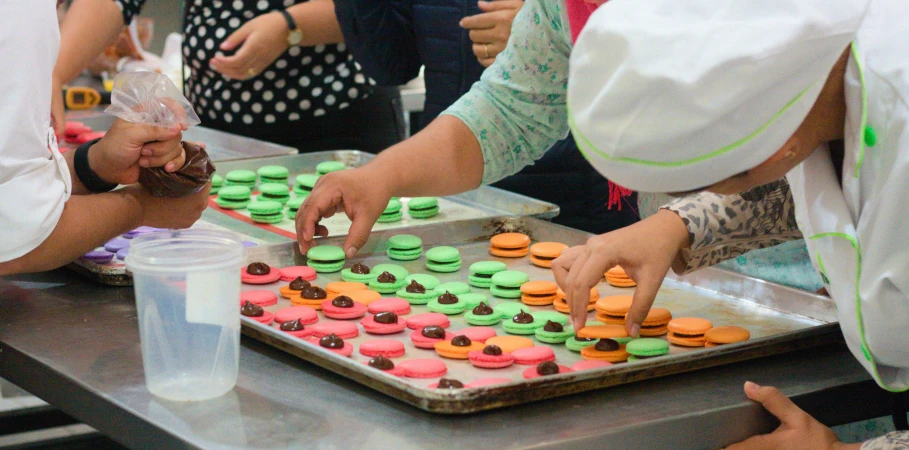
(294, 37)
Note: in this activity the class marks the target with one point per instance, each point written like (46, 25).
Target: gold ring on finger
(250, 72)
(486, 50)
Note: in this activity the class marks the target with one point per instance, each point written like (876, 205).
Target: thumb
(236, 38)
(360, 228)
(152, 133)
(774, 402)
(644, 295)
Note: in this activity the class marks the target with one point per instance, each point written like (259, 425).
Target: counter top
(76, 345)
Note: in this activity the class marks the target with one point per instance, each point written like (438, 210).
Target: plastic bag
(194, 174)
(151, 98)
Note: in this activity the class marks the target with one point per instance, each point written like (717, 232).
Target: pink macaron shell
(423, 368)
(270, 277)
(396, 305)
(292, 272)
(371, 326)
(304, 333)
(347, 350)
(533, 355)
(531, 371)
(480, 359)
(421, 341)
(487, 382)
(267, 318)
(589, 364)
(419, 321)
(388, 348)
(333, 312)
(259, 297)
(477, 334)
(396, 371)
(344, 330)
(306, 314)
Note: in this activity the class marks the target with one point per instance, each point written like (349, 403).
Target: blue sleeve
(380, 35)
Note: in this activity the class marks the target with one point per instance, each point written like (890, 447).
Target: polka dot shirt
(304, 82)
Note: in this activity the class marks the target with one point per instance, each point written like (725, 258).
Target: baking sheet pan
(780, 319)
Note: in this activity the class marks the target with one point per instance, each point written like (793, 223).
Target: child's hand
(645, 250)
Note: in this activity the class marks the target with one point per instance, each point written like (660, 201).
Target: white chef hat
(673, 95)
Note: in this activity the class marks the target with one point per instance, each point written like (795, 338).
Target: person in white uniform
(727, 95)
(51, 211)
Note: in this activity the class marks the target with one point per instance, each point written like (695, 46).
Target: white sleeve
(34, 179)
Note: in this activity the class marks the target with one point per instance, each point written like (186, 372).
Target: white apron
(858, 236)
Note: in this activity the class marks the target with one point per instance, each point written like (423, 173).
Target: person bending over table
(816, 91)
(50, 209)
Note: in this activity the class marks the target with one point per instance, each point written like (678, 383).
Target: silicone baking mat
(779, 319)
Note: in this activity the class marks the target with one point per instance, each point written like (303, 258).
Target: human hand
(645, 250)
(490, 29)
(127, 146)
(261, 40)
(797, 429)
(361, 193)
(162, 212)
(58, 112)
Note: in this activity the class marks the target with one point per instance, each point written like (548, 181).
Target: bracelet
(86, 175)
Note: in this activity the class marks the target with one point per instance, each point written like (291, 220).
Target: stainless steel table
(75, 344)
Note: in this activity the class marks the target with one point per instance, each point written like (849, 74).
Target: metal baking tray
(220, 146)
(482, 202)
(780, 320)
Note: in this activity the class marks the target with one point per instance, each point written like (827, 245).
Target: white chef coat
(858, 235)
(34, 179)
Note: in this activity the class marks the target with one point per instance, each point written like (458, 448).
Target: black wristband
(291, 23)
(86, 175)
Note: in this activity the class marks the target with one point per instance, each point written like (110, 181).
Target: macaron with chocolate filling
(259, 273)
(295, 328)
(259, 297)
(423, 207)
(472, 299)
(416, 293)
(447, 303)
(380, 362)
(291, 273)
(428, 336)
(359, 272)
(507, 284)
(576, 343)
(383, 323)
(276, 192)
(546, 368)
(366, 297)
(655, 324)
(478, 334)
(444, 259)
(509, 245)
(329, 166)
(532, 356)
(246, 178)
(344, 330)
(422, 320)
(688, 331)
(266, 211)
(538, 292)
(392, 212)
(606, 349)
(336, 288)
(561, 305)
(612, 309)
(343, 307)
(304, 183)
(554, 333)
(458, 347)
(522, 323)
(482, 314)
(305, 314)
(389, 348)
(509, 344)
(386, 283)
(481, 273)
(490, 357)
(311, 296)
(454, 287)
(293, 205)
(273, 174)
(333, 343)
(542, 253)
(255, 312)
(404, 247)
(326, 258)
(507, 310)
(396, 305)
(294, 288)
(233, 197)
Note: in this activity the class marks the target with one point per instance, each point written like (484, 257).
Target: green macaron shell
(398, 271)
(647, 347)
(330, 166)
(231, 204)
(326, 258)
(576, 346)
(507, 283)
(554, 337)
(485, 321)
(293, 205)
(455, 308)
(444, 259)
(216, 180)
(423, 207)
(390, 218)
(273, 174)
(521, 328)
(488, 268)
(508, 310)
(472, 299)
(623, 340)
(233, 197)
(304, 183)
(428, 281)
(365, 278)
(266, 211)
(454, 287)
(240, 178)
(404, 247)
(274, 192)
(415, 298)
(393, 206)
(554, 316)
(386, 288)
(512, 293)
(404, 255)
(443, 268)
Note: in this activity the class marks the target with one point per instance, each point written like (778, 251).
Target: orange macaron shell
(505, 253)
(688, 331)
(509, 245)
(336, 287)
(561, 305)
(613, 356)
(686, 341)
(603, 331)
(655, 324)
(542, 253)
(615, 305)
(726, 335)
(446, 349)
(538, 292)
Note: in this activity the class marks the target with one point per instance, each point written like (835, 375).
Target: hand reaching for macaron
(645, 250)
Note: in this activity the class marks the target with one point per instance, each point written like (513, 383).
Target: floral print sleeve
(517, 109)
(895, 440)
(722, 227)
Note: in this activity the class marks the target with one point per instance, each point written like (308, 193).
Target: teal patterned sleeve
(517, 109)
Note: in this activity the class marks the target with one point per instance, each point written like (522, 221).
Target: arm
(379, 34)
(722, 227)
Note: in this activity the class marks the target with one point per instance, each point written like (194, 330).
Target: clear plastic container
(187, 285)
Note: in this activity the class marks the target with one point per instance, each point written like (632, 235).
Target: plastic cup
(187, 285)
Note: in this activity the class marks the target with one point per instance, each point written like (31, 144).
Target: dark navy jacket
(391, 39)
